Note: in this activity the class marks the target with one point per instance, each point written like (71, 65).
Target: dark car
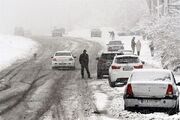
(115, 45)
(104, 62)
(96, 33)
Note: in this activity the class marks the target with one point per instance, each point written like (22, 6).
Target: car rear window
(151, 76)
(115, 42)
(63, 54)
(109, 56)
(125, 60)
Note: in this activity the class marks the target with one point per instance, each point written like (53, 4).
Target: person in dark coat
(84, 61)
(133, 44)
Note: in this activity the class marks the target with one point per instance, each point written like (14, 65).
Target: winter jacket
(138, 45)
(84, 59)
(133, 44)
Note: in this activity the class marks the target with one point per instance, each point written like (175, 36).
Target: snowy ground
(14, 48)
(109, 102)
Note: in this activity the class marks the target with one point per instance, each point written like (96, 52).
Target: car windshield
(151, 76)
(109, 56)
(115, 42)
(63, 54)
(128, 59)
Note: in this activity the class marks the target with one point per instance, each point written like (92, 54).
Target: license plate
(148, 102)
(127, 68)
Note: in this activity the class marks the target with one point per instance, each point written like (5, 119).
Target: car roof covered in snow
(151, 70)
(126, 56)
(109, 52)
(63, 51)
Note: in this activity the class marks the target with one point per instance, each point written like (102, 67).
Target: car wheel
(126, 108)
(175, 110)
(112, 84)
(53, 68)
(99, 75)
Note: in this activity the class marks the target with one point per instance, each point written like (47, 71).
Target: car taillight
(169, 91)
(115, 67)
(129, 92)
(70, 59)
(54, 59)
(138, 66)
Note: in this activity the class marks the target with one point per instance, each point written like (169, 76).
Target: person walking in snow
(138, 47)
(84, 61)
(151, 46)
(133, 44)
(112, 35)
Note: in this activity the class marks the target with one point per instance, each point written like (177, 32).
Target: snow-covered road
(63, 95)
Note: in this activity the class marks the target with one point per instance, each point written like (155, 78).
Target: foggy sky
(40, 16)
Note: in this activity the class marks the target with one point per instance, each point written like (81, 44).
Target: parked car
(58, 32)
(104, 62)
(96, 33)
(154, 88)
(115, 45)
(127, 52)
(122, 67)
(63, 59)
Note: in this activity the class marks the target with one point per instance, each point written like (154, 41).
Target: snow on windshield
(121, 60)
(151, 76)
(63, 54)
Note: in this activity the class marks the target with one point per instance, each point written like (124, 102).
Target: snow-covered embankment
(14, 48)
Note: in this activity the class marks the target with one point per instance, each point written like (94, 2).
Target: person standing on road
(133, 44)
(138, 47)
(151, 46)
(84, 61)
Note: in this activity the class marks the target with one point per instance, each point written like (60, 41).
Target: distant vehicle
(58, 32)
(63, 59)
(104, 62)
(96, 33)
(115, 45)
(122, 67)
(127, 52)
(154, 88)
(19, 31)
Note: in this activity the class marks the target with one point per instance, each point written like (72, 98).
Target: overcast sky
(40, 16)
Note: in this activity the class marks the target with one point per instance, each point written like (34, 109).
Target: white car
(127, 52)
(115, 45)
(154, 88)
(63, 59)
(122, 67)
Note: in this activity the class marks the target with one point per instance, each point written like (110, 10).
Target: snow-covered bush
(164, 32)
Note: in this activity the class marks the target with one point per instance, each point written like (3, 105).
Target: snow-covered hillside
(14, 48)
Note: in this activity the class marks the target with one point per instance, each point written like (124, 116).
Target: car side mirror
(97, 58)
(51, 57)
(143, 62)
(74, 56)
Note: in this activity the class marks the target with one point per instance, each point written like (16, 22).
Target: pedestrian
(112, 35)
(151, 46)
(138, 47)
(84, 61)
(35, 55)
(133, 44)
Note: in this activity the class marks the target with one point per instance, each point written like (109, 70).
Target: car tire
(175, 110)
(99, 75)
(53, 68)
(112, 84)
(126, 108)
